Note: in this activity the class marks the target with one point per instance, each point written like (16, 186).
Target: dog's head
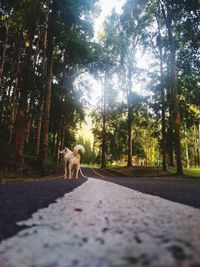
(64, 151)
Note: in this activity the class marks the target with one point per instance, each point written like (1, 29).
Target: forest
(47, 48)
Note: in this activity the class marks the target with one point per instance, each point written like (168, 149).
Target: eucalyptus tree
(102, 114)
(181, 19)
(133, 21)
(26, 73)
(121, 38)
(167, 14)
(155, 43)
(106, 68)
(162, 89)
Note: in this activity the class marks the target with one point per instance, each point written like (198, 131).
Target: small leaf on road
(77, 209)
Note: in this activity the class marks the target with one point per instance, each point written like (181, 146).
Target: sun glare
(143, 62)
(106, 9)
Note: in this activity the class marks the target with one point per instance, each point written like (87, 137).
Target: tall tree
(163, 96)
(25, 84)
(43, 153)
(133, 22)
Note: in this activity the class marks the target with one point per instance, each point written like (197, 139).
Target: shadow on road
(18, 201)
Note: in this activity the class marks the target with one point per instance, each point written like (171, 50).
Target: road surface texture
(94, 222)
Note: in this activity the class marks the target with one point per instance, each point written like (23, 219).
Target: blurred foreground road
(94, 222)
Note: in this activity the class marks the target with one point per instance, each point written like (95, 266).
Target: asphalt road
(182, 190)
(99, 224)
(18, 201)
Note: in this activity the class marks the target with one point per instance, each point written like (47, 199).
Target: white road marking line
(104, 224)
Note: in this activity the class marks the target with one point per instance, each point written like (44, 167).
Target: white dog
(72, 160)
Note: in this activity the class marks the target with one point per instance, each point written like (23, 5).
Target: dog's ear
(65, 148)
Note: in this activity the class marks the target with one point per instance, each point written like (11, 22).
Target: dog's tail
(79, 147)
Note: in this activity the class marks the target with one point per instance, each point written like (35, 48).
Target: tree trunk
(16, 77)
(44, 69)
(2, 105)
(62, 120)
(196, 138)
(58, 141)
(13, 113)
(198, 146)
(43, 154)
(4, 54)
(103, 145)
(28, 127)
(170, 144)
(130, 153)
(20, 129)
(53, 144)
(129, 119)
(21, 121)
(38, 130)
(63, 132)
(194, 132)
(186, 150)
(163, 101)
(175, 107)
(168, 21)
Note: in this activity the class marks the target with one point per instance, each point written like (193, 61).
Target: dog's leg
(65, 171)
(70, 171)
(77, 171)
(73, 172)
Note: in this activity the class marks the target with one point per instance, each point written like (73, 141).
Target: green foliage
(195, 172)
(89, 157)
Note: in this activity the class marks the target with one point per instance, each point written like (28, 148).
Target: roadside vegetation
(155, 171)
(191, 172)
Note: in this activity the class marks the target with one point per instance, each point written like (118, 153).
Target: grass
(193, 172)
(31, 171)
(91, 165)
(150, 171)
